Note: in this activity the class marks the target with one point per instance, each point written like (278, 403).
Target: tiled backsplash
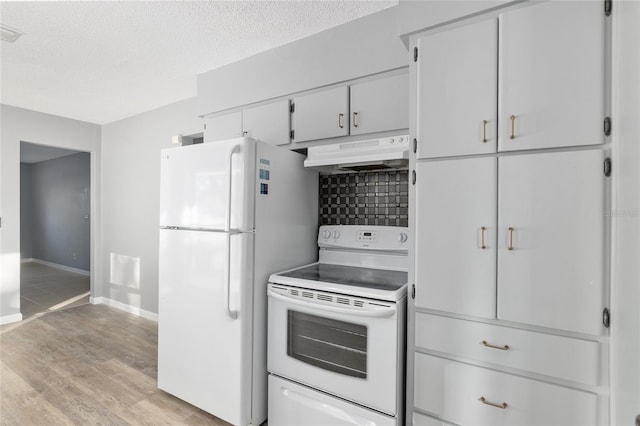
(372, 198)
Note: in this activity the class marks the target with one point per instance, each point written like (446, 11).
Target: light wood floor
(44, 289)
(86, 365)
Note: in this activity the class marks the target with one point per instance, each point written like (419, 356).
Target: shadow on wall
(124, 279)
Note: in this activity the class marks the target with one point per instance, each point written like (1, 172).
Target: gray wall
(131, 199)
(26, 250)
(59, 220)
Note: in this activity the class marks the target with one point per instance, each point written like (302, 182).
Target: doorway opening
(55, 228)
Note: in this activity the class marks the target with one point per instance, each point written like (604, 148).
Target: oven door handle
(376, 312)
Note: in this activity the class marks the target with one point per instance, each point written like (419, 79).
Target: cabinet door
(222, 127)
(456, 236)
(322, 115)
(268, 123)
(457, 91)
(551, 240)
(552, 75)
(380, 105)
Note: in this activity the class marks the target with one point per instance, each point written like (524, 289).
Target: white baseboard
(7, 319)
(124, 307)
(58, 266)
(27, 260)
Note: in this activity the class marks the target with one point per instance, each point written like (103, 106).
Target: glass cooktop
(379, 279)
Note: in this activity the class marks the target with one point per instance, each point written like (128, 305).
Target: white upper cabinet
(551, 240)
(542, 67)
(222, 127)
(321, 115)
(552, 75)
(268, 123)
(380, 105)
(457, 91)
(456, 236)
(368, 107)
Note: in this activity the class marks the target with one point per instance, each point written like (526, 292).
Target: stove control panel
(388, 238)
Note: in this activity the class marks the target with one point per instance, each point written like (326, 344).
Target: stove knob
(326, 234)
(402, 238)
(336, 234)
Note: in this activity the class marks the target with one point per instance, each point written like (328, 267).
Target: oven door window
(327, 343)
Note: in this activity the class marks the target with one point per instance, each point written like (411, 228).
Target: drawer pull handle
(484, 131)
(502, 406)
(489, 345)
(510, 246)
(355, 119)
(340, 120)
(513, 127)
(483, 230)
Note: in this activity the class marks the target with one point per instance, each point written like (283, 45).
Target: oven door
(343, 345)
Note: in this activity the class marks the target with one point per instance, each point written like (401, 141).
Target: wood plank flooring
(86, 365)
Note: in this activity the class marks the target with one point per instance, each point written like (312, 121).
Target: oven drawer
(470, 395)
(291, 404)
(562, 357)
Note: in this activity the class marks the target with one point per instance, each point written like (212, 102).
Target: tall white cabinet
(509, 314)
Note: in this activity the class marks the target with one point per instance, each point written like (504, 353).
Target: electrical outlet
(73, 256)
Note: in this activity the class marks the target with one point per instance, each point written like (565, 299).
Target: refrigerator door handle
(227, 276)
(227, 227)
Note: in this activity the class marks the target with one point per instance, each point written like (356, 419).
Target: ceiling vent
(9, 34)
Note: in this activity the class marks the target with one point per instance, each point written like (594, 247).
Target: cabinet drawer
(562, 357)
(470, 395)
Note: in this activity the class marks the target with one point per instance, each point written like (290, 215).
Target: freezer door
(208, 186)
(204, 353)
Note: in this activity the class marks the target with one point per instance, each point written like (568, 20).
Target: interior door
(204, 354)
(551, 240)
(321, 115)
(457, 91)
(380, 105)
(195, 185)
(456, 236)
(552, 75)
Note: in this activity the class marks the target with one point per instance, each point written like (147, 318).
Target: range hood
(367, 155)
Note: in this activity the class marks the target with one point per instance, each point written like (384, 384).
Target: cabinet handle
(489, 345)
(513, 127)
(484, 131)
(502, 406)
(483, 245)
(341, 120)
(355, 119)
(510, 246)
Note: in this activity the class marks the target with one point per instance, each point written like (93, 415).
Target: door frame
(93, 226)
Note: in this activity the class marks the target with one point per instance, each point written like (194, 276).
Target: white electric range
(336, 343)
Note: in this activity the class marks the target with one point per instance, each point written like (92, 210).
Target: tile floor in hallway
(44, 288)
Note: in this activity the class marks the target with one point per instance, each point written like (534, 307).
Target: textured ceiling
(107, 60)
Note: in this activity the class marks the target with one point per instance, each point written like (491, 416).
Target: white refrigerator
(231, 213)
